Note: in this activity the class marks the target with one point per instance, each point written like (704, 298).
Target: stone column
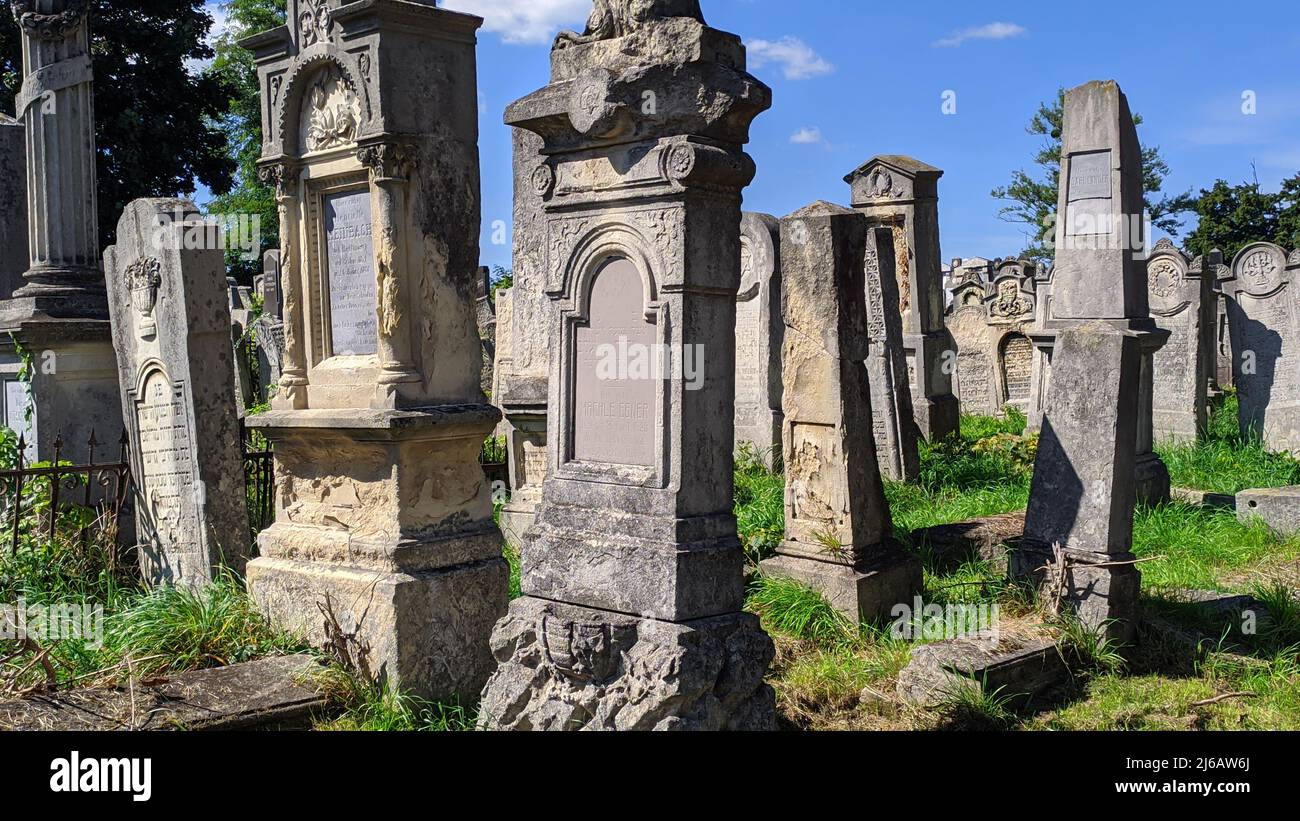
(13, 206)
(388, 181)
(838, 528)
(632, 615)
(292, 392)
(902, 193)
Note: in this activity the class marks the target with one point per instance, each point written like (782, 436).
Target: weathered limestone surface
(633, 567)
(838, 526)
(1277, 507)
(1180, 291)
(893, 422)
(171, 331)
(992, 314)
(1261, 295)
(13, 205)
(758, 335)
(1011, 667)
(382, 512)
(902, 194)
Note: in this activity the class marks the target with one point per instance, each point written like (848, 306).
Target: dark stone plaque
(1090, 176)
(350, 268)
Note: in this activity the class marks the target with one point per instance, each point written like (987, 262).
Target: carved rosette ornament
(143, 278)
(49, 26)
(1163, 278)
(679, 161)
(543, 180)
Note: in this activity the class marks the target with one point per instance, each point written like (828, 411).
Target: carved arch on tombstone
(1016, 377)
(1260, 269)
(315, 64)
(609, 240)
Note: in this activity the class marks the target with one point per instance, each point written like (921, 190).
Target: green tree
(155, 111)
(242, 125)
(1033, 200)
(1233, 216)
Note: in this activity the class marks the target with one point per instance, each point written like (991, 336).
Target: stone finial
(618, 18)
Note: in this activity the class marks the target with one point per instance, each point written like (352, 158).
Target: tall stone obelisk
(59, 314)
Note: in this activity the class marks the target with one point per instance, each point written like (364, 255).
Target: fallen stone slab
(1204, 498)
(1277, 507)
(271, 693)
(1019, 668)
(985, 539)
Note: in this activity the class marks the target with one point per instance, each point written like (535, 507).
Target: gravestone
(632, 609)
(172, 337)
(1096, 427)
(383, 513)
(485, 319)
(758, 336)
(1180, 291)
(267, 285)
(893, 424)
(268, 340)
(993, 312)
(838, 536)
(1266, 344)
(902, 194)
(57, 309)
(523, 344)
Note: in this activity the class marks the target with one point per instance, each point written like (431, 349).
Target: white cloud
(807, 136)
(797, 59)
(525, 21)
(990, 31)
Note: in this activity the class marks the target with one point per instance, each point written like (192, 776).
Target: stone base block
(427, 632)
(863, 593)
(1019, 668)
(1104, 598)
(1277, 507)
(515, 522)
(936, 416)
(564, 667)
(1152, 480)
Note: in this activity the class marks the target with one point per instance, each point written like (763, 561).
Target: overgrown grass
(760, 503)
(1193, 545)
(1225, 461)
(361, 706)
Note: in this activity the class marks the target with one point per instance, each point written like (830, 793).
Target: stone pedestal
(837, 522)
(631, 616)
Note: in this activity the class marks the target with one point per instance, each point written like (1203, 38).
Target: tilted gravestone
(990, 322)
(383, 514)
(171, 331)
(837, 522)
(758, 336)
(902, 193)
(1079, 526)
(893, 423)
(632, 614)
(1180, 291)
(1265, 325)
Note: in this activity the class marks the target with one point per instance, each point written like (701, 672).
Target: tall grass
(1225, 461)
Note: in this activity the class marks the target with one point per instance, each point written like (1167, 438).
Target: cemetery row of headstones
(629, 238)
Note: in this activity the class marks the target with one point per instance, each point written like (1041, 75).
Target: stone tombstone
(1223, 328)
(268, 339)
(758, 336)
(370, 128)
(1095, 445)
(837, 522)
(1180, 292)
(893, 424)
(1265, 323)
(902, 193)
(992, 313)
(523, 343)
(171, 333)
(1099, 272)
(267, 286)
(485, 319)
(13, 205)
(57, 307)
(632, 610)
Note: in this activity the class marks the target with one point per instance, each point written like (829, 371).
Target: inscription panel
(350, 268)
(750, 374)
(166, 458)
(1017, 367)
(614, 419)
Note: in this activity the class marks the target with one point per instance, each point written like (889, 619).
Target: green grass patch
(1194, 545)
(1225, 461)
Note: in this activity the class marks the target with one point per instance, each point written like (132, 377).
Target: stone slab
(1277, 507)
(1204, 498)
(862, 593)
(1015, 667)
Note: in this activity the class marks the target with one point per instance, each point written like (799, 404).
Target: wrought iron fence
(35, 497)
(492, 458)
(259, 478)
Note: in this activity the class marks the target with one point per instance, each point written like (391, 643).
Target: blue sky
(853, 79)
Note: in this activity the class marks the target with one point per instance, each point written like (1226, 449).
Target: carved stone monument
(1261, 301)
(60, 312)
(837, 522)
(172, 338)
(758, 336)
(632, 610)
(902, 194)
(1180, 291)
(893, 424)
(13, 205)
(267, 285)
(1096, 428)
(990, 322)
(382, 511)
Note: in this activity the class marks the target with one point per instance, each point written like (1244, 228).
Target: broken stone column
(893, 424)
(902, 194)
(758, 336)
(632, 616)
(60, 312)
(1180, 291)
(383, 514)
(1096, 427)
(172, 336)
(838, 537)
